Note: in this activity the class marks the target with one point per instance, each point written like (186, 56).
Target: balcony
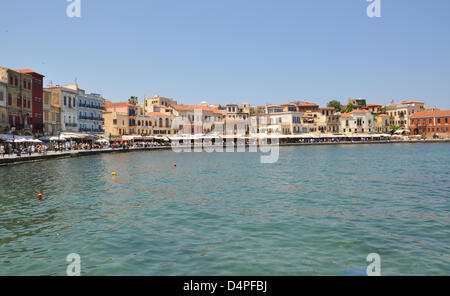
(90, 106)
(82, 117)
(68, 124)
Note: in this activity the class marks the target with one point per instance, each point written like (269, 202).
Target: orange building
(431, 124)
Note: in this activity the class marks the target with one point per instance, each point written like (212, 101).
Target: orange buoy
(175, 165)
(40, 196)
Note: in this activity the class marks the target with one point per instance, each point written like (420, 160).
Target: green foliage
(336, 104)
(348, 108)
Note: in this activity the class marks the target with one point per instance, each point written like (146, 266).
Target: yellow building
(155, 124)
(116, 123)
(157, 100)
(382, 124)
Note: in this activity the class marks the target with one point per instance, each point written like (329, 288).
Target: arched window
(139, 122)
(150, 123)
(160, 122)
(167, 122)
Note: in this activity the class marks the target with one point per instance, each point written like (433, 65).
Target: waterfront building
(154, 123)
(89, 110)
(18, 100)
(157, 100)
(432, 124)
(400, 113)
(67, 99)
(282, 123)
(196, 119)
(37, 120)
(233, 111)
(123, 109)
(46, 111)
(116, 123)
(328, 120)
(382, 124)
(357, 121)
(3, 113)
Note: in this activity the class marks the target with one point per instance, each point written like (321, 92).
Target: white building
(286, 123)
(358, 121)
(400, 113)
(90, 113)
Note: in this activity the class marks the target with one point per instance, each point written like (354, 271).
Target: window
(65, 101)
(1, 96)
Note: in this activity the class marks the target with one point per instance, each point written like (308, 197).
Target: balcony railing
(90, 118)
(70, 124)
(91, 106)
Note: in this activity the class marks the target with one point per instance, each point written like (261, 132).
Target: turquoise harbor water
(317, 211)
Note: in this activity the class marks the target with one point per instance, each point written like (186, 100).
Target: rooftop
(431, 113)
(28, 71)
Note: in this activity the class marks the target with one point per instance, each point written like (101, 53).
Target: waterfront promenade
(13, 159)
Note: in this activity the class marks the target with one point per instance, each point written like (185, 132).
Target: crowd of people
(8, 149)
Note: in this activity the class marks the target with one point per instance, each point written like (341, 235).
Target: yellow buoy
(114, 174)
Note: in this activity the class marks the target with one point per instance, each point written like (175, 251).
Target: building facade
(123, 109)
(401, 112)
(90, 112)
(116, 123)
(3, 113)
(196, 119)
(18, 100)
(358, 121)
(37, 119)
(154, 124)
(433, 124)
(157, 100)
(382, 124)
(66, 100)
(328, 120)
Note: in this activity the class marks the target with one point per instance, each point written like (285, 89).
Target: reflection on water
(318, 210)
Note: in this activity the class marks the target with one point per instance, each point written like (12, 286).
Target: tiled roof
(119, 104)
(28, 71)
(431, 113)
(411, 102)
(359, 112)
(327, 108)
(346, 115)
(373, 105)
(306, 104)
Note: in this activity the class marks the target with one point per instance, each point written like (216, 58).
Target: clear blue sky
(255, 51)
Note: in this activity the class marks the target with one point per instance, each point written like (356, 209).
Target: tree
(336, 104)
(348, 108)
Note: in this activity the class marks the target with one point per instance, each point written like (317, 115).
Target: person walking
(2, 151)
